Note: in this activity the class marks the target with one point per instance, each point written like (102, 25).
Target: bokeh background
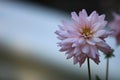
(28, 49)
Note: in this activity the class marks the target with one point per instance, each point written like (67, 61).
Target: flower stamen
(86, 32)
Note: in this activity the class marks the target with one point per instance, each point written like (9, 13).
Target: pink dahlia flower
(115, 26)
(84, 37)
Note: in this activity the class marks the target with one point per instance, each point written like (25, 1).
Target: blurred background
(28, 49)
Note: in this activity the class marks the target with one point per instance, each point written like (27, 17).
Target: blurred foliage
(97, 77)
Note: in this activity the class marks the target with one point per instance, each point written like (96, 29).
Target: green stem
(107, 68)
(89, 72)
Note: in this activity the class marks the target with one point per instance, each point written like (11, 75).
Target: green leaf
(109, 55)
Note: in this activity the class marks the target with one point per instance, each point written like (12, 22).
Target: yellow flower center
(86, 32)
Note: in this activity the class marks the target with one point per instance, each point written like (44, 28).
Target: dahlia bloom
(115, 26)
(84, 37)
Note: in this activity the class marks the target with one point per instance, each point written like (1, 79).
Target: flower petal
(101, 17)
(75, 60)
(93, 17)
(90, 42)
(99, 25)
(105, 48)
(82, 59)
(94, 40)
(83, 13)
(68, 40)
(75, 16)
(85, 49)
(99, 33)
(95, 27)
(93, 51)
(81, 41)
(73, 33)
(70, 55)
(76, 50)
(96, 60)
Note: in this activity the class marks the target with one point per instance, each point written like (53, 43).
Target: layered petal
(84, 37)
(105, 48)
(115, 27)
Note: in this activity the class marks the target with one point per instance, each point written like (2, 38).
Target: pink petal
(75, 60)
(99, 25)
(99, 33)
(61, 38)
(105, 48)
(57, 32)
(81, 41)
(93, 17)
(61, 27)
(64, 33)
(85, 49)
(66, 26)
(73, 33)
(90, 42)
(96, 60)
(62, 49)
(95, 27)
(74, 45)
(76, 50)
(94, 40)
(101, 17)
(70, 55)
(77, 54)
(93, 51)
(92, 14)
(75, 16)
(83, 13)
(68, 40)
(103, 24)
(107, 34)
(83, 21)
(78, 42)
(82, 59)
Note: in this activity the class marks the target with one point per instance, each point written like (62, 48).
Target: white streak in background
(32, 28)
